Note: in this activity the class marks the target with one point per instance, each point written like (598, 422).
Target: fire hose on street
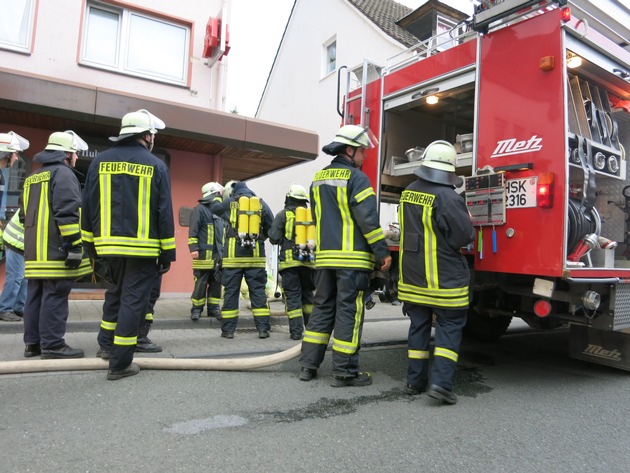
(183, 364)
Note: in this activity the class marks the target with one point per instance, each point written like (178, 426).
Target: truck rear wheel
(484, 328)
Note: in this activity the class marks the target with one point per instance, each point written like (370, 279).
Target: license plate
(521, 193)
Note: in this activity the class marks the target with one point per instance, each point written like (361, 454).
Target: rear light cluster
(545, 190)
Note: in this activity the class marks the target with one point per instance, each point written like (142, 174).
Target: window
(330, 56)
(134, 43)
(16, 24)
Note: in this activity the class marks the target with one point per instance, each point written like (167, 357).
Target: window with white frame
(135, 43)
(330, 56)
(16, 24)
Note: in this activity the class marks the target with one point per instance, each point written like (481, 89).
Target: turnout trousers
(126, 305)
(256, 279)
(46, 312)
(339, 306)
(298, 286)
(207, 290)
(449, 324)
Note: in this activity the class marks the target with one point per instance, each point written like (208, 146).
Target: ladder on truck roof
(362, 74)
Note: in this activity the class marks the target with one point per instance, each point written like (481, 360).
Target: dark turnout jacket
(127, 207)
(349, 235)
(434, 226)
(51, 206)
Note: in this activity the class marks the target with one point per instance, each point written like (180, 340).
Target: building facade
(83, 64)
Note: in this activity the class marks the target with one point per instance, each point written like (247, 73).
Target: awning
(249, 147)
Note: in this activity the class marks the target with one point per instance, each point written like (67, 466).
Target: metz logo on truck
(510, 146)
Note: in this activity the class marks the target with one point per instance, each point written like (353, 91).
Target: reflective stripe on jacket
(14, 234)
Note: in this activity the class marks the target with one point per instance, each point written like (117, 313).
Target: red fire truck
(535, 96)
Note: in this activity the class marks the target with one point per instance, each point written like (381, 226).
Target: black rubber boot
(145, 345)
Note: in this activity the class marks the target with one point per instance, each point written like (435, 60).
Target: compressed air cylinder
(243, 217)
(310, 230)
(254, 216)
(300, 228)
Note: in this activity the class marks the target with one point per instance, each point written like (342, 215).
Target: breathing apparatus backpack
(249, 216)
(304, 234)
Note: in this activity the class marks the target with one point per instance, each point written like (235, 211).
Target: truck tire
(484, 328)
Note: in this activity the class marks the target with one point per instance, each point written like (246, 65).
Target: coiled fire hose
(184, 364)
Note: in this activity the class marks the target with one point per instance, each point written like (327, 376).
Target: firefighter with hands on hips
(290, 230)
(50, 210)
(350, 242)
(434, 274)
(248, 220)
(128, 220)
(14, 291)
(205, 242)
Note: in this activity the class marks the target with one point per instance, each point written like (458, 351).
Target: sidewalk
(182, 338)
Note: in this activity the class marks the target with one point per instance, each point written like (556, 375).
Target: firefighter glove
(163, 263)
(74, 258)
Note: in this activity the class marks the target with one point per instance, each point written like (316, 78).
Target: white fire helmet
(138, 122)
(211, 188)
(438, 164)
(66, 141)
(11, 142)
(297, 192)
(229, 188)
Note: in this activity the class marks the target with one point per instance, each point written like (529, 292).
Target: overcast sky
(256, 28)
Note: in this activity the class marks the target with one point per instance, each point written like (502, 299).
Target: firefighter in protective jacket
(205, 242)
(350, 242)
(434, 275)
(53, 249)
(296, 258)
(248, 220)
(128, 220)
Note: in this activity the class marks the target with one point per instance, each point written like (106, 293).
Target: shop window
(134, 43)
(16, 24)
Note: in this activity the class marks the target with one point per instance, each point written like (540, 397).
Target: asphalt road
(524, 407)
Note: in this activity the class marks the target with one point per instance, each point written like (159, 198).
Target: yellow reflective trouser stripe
(198, 302)
(317, 338)
(125, 341)
(352, 346)
(294, 313)
(213, 300)
(229, 314)
(446, 353)
(108, 325)
(307, 308)
(418, 354)
(261, 312)
(149, 317)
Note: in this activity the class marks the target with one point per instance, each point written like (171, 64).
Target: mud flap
(605, 347)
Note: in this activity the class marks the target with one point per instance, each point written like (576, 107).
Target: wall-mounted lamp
(573, 60)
